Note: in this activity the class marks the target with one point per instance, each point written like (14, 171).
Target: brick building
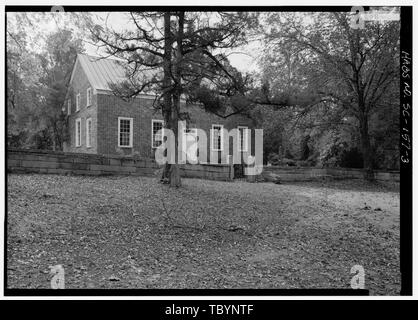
(101, 123)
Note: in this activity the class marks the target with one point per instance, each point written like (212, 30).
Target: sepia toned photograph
(205, 149)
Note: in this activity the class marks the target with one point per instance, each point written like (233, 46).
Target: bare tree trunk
(167, 102)
(366, 147)
(175, 179)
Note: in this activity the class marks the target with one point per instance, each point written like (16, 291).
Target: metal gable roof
(101, 72)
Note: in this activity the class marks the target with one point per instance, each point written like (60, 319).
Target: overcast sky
(243, 58)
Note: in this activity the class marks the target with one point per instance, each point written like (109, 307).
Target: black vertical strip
(5, 156)
(405, 149)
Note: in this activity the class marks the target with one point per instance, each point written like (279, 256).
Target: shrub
(274, 159)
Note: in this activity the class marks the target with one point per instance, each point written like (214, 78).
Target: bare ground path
(132, 232)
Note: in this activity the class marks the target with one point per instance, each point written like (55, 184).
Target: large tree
(351, 71)
(57, 61)
(178, 55)
(38, 69)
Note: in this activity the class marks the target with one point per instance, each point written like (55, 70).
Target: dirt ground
(132, 232)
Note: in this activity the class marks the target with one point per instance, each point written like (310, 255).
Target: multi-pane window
(69, 106)
(125, 132)
(242, 138)
(88, 132)
(88, 97)
(189, 143)
(78, 132)
(217, 138)
(157, 135)
(77, 102)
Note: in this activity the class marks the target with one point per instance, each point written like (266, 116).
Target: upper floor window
(217, 137)
(69, 106)
(77, 102)
(242, 138)
(78, 132)
(88, 133)
(157, 135)
(125, 129)
(89, 97)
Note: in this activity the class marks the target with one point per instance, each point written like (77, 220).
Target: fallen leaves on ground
(133, 232)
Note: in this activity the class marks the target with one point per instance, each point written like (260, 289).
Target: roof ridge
(100, 58)
(101, 72)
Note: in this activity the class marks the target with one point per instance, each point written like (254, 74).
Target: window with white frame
(190, 139)
(78, 132)
(69, 106)
(125, 129)
(88, 133)
(242, 138)
(89, 97)
(157, 135)
(77, 102)
(217, 137)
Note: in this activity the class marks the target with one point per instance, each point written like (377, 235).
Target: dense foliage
(38, 70)
(344, 83)
(325, 94)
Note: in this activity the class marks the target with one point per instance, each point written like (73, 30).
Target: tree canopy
(324, 93)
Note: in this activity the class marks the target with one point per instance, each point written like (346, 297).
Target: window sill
(125, 147)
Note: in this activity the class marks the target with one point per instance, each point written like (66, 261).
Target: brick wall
(80, 84)
(142, 111)
(53, 162)
(110, 108)
(104, 113)
(307, 173)
(39, 161)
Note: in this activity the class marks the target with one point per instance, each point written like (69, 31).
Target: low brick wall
(358, 174)
(307, 173)
(41, 161)
(207, 171)
(293, 173)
